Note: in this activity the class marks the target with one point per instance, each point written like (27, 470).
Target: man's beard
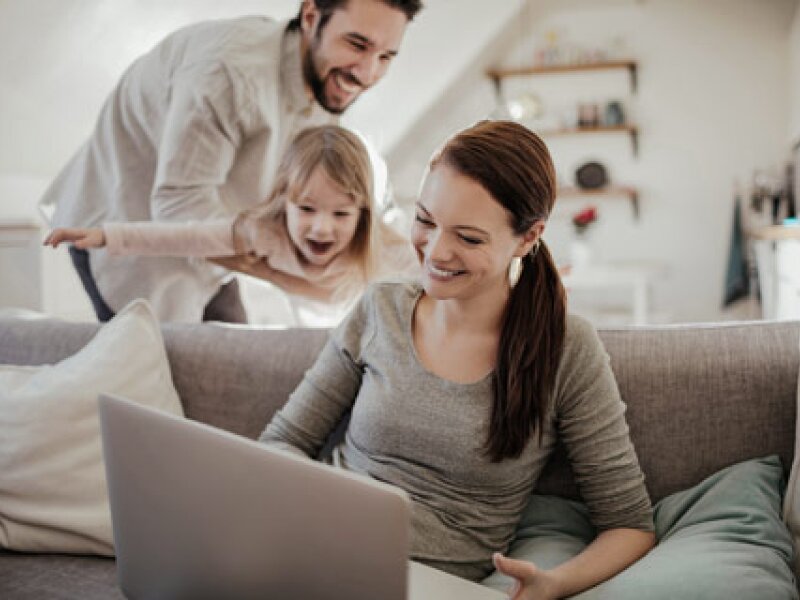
(317, 84)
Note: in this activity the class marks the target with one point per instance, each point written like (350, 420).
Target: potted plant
(581, 251)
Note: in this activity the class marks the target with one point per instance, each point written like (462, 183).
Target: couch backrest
(699, 397)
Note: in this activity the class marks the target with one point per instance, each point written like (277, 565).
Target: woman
(461, 384)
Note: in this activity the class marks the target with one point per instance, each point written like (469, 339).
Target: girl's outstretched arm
(198, 239)
(258, 267)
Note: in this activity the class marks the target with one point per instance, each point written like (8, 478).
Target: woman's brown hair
(513, 164)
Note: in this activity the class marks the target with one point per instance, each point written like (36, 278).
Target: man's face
(351, 52)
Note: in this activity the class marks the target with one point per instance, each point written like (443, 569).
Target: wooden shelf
(776, 232)
(497, 75)
(631, 130)
(631, 193)
(598, 129)
(18, 225)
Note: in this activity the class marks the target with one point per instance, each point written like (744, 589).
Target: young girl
(459, 386)
(318, 235)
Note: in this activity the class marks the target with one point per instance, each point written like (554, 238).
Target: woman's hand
(531, 582)
(82, 239)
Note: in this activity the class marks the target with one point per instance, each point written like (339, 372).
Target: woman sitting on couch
(460, 384)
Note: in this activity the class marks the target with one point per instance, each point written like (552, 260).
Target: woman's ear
(530, 238)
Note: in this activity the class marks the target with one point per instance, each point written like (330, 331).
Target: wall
(60, 58)
(713, 104)
(447, 38)
(794, 79)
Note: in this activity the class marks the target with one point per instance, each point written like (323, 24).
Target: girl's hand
(531, 582)
(81, 238)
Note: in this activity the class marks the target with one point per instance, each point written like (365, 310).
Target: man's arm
(198, 145)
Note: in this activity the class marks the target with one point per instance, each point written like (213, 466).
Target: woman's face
(322, 221)
(463, 237)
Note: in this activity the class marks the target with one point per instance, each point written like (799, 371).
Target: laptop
(198, 512)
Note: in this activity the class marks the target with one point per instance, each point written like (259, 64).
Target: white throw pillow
(791, 501)
(53, 494)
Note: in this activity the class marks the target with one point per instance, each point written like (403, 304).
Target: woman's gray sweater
(426, 435)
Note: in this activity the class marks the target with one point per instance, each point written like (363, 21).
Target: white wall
(446, 38)
(712, 104)
(60, 58)
(794, 79)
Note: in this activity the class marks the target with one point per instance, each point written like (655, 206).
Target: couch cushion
(53, 494)
(791, 505)
(229, 376)
(720, 539)
(57, 577)
(236, 377)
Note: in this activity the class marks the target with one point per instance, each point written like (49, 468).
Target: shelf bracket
(498, 86)
(634, 76)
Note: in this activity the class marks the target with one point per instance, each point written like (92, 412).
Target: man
(195, 130)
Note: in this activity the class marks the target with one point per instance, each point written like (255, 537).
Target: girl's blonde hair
(345, 159)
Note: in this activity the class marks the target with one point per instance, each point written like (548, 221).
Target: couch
(699, 398)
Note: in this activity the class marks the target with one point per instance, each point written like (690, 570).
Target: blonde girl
(318, 235)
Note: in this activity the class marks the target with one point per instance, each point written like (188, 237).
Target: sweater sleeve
(328, 390)
(590, 416)
(149, 238)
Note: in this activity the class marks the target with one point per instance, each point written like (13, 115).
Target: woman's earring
(535, 250)
(514, 271)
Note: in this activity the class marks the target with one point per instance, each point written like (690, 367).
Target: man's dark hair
(327, 7)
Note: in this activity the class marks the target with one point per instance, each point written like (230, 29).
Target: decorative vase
(580, 253)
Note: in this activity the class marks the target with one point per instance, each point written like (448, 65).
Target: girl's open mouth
(319, 247)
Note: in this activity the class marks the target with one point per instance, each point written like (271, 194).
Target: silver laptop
(198, 512)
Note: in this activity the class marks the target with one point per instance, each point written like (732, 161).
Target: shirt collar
(292, 74)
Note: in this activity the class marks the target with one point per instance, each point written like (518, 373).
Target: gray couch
(699, 398)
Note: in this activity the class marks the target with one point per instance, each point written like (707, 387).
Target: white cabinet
(788, 284)
(20, 265)
(633, 281)
(777, 251)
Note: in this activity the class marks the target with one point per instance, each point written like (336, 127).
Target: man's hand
(81, 238)
(531, 582)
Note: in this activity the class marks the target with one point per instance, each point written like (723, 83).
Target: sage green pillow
(721, 539)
